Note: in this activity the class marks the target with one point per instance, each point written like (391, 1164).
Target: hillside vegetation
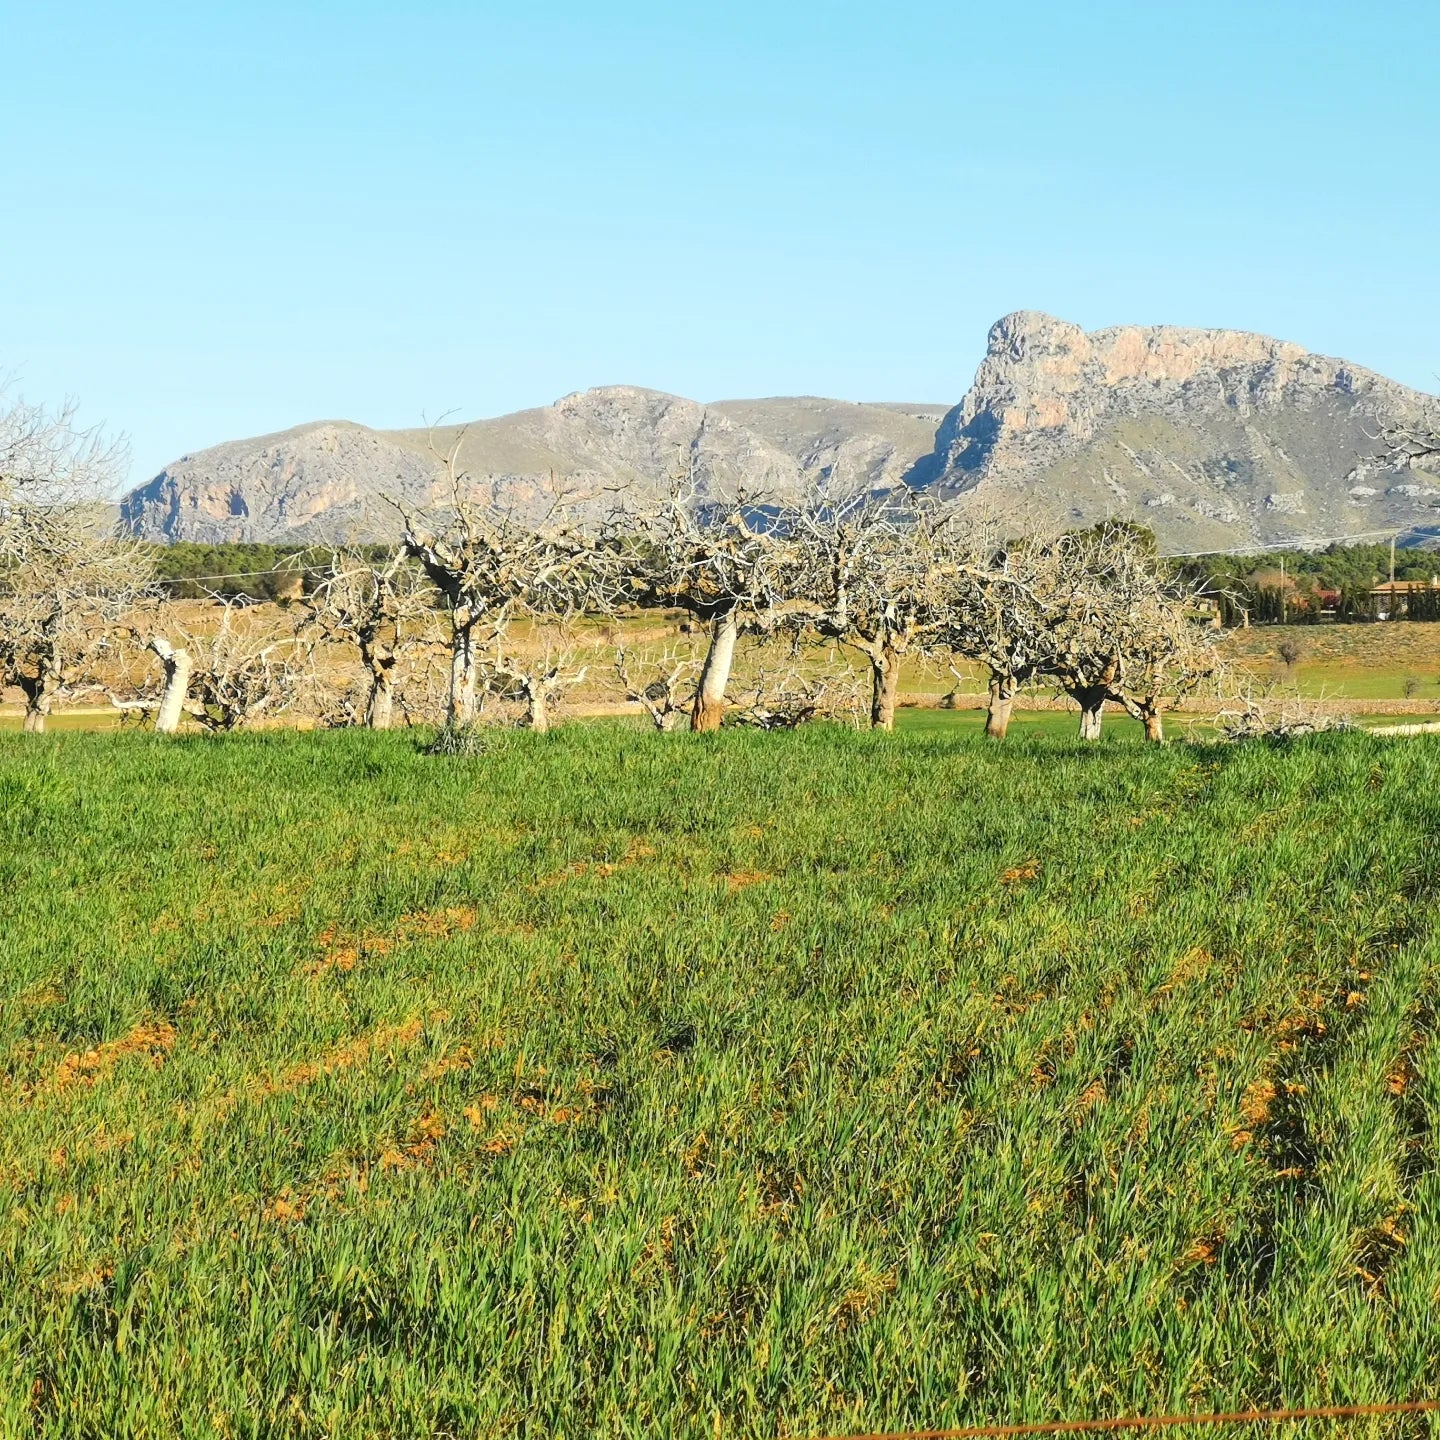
(661, 1085)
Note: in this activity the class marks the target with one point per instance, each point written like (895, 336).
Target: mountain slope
(1214, 438)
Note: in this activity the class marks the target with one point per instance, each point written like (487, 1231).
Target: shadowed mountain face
(1214, 438)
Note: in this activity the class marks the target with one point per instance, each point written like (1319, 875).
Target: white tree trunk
(1092, 716)
(997, 717)
(176, 664)
(1154, 727)
(539, 711)
(381, 707)
(709, 708)
(35, 719)
(461, 709)
(885, 687)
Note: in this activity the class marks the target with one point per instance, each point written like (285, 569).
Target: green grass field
(620, 1084)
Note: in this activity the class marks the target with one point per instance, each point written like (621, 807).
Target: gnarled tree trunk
(709, 708)
(380, 708)
(997, 715)
(176, 664)
(461, 707)
(38, 691)
(885, 687)
(539, 712)
(1092, 712)
(1148, 713)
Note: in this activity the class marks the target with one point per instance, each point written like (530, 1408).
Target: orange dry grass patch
(601, 870)
(437, 924)
(1094, 1094)
(1205, 1251)
(345, 954)
(1021, 874)
(351, 1053)
(459, 1059)
(151, 1039)
(335, 956)
(743, 879)
(1257, 1100)
(419, 1149)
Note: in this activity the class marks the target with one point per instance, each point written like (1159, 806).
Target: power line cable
(1156, 1422)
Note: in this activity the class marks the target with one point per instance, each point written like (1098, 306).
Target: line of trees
(1301, 587)
(881, 577)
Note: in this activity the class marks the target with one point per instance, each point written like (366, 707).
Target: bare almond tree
(66, 588)
(785, 697)
(997, 611)
(48, 459)
(67, 582)
(225, 678)
(877, 576)
(535, 682)
(732, 564)
(1126, 630)
(663, 684)
(377, 606)
(490, 565)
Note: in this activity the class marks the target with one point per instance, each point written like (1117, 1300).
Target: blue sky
(228, 219)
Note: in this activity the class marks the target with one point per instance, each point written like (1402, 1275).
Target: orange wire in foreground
(1154, 1422)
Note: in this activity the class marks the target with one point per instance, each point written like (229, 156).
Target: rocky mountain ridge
(1215, 438)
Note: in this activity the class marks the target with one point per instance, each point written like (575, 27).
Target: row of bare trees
(883, 576)
(887, 578)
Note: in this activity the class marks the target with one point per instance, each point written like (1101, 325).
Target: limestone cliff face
(324, 478)
(1213, 437)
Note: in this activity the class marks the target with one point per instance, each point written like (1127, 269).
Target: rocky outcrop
(322, 479)
(1214, 438)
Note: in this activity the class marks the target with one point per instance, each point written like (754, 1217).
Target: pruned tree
(877, 575)
(996, 610)
(785, 697)
(535, 683)
(224, 678)
(1125, 630)
(490, 565)
(663, 684)
(1259, 717)
(378, 606)
(67, 581)
(732, 564)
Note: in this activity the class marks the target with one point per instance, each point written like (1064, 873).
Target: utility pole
(1282, 589)
(1392, 567)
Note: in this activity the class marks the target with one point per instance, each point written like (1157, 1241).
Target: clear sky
(224, 219)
